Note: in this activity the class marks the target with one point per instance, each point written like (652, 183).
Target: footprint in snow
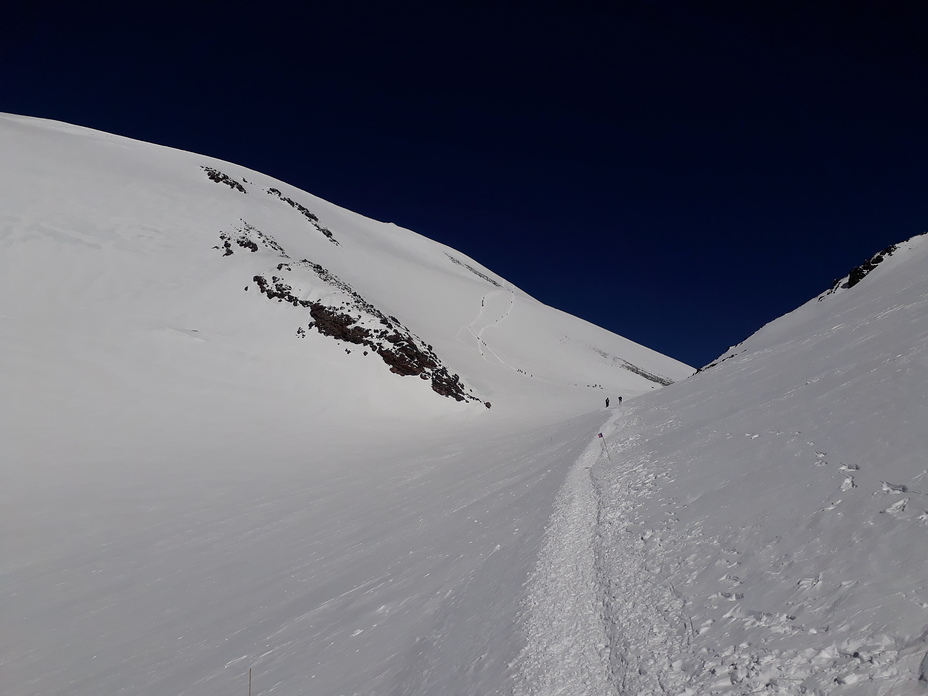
(730, 596)
(848, 483)
(849, 467)
(896, 508)
(809, 583)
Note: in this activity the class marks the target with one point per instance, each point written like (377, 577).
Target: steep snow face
(763, 526)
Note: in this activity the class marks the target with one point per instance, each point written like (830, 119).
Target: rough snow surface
(763, 526)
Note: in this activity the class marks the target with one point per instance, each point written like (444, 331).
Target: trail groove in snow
(491, 314)
(648, 628)
(567, 648)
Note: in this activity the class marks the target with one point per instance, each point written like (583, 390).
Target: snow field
(391, 563)
(191, 490)
(193, 487)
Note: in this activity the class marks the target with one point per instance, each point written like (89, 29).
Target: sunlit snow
(199, 481)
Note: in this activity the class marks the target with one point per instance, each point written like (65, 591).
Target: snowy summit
(248, 432)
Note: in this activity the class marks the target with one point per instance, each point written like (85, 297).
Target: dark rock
(220, 178)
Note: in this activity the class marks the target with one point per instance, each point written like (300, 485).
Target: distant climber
(607, 402)
(620, 400)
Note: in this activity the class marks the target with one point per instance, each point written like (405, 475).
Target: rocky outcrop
(306, 213)
(220, 178)
(473, 270)
(358, 322)
(858, 273)
(355, 321)
(248, 237)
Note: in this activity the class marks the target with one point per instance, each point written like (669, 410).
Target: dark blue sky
(679, 173)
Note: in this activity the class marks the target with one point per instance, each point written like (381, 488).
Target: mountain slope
(204, 473)
(761, 527)
(153, 255)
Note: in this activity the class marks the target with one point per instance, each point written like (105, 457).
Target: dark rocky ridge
(220, 178)
(313, 220)
(245, 237)
(858, 273)
(356, 321)
(625, 365)
(473, 270)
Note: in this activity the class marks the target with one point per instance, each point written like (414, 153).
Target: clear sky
(677, 172)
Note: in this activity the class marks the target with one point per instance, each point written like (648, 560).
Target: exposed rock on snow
(479, 274)
(305, 212)
(860, 272)
(397, 346)
(248, 237)
(220, 178)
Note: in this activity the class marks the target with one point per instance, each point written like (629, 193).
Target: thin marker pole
(249, 681)
(605, 451)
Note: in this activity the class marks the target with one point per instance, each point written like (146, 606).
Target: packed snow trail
(567, 649)
(597, 618)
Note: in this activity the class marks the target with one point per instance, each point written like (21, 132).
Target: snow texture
(200, 480)
(761, 527)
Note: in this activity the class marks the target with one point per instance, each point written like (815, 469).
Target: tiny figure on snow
(620, 400)
(607, 402)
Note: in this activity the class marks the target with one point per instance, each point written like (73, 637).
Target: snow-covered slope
(201, 479)
(142, 260)
(241, 427)
(763, 526)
